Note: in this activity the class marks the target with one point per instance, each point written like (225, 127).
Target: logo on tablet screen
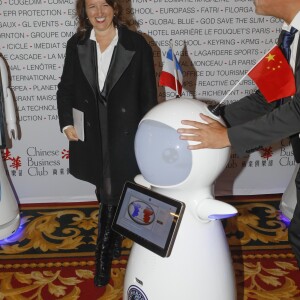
(135, 293)
(141, 212)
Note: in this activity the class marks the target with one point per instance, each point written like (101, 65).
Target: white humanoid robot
(200, 264)
(9, 210)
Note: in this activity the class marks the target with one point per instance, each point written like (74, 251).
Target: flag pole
(175, 69)
(217, 106)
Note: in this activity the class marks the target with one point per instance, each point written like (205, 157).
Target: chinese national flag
(274, 76)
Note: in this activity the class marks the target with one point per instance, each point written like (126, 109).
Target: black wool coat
(128, 93)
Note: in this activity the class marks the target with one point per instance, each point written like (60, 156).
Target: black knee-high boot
(117, 246)
(104, 245)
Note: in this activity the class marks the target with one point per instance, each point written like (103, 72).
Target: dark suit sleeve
(256, 123)
(65, 92)
(148, 90)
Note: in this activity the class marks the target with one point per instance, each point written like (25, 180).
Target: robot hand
(10, 114)
(212, 209)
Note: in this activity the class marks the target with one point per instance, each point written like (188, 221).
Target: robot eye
(162, 157)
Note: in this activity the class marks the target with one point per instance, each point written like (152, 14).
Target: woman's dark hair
(83, 21)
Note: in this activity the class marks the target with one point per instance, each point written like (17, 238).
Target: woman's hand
(71, 133)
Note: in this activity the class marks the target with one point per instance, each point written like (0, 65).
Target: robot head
(164, 159)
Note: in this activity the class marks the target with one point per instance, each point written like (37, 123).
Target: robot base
(200, 267)
(9, 228)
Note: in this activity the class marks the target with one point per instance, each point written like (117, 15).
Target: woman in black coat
(109, 76)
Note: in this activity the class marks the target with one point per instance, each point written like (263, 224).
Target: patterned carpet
(51, 256)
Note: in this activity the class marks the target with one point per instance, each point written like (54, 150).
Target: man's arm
(255, 132)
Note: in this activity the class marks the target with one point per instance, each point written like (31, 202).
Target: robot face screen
(162, 157)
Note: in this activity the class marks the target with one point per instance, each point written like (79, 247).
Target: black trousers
(104, 192)
(294, 228)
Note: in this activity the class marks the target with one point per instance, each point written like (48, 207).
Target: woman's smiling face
(100, 14)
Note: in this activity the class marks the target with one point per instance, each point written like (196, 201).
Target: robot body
(200, 265)
(9, 210)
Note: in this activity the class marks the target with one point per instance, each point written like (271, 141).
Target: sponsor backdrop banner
(216, 43)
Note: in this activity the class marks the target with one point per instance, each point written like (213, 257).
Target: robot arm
(10, 114)
(211, 209)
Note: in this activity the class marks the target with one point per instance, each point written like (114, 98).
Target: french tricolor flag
(171, 71)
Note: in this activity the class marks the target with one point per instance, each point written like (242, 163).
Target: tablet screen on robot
(148, 218)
